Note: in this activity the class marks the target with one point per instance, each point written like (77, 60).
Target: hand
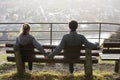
(97, 44)
(46, 57)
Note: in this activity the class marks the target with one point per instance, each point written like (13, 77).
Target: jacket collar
(73, 32)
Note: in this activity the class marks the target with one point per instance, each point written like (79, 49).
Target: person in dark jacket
(72, 39)
(25, 38)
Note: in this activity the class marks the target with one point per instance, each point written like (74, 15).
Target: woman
(25, 38)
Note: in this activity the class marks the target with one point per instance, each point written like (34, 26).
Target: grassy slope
(50, 75)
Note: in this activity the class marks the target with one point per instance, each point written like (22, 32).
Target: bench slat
(44, 46)
(111, 51)
(111, 44)
(110, 56)
(36, 52)
(48, 46)
(57, 60)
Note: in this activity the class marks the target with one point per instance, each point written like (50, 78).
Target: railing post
(99, 33)
(19, 63)
(88, 65)
(51, 34)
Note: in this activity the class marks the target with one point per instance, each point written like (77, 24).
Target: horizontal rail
(53, 31)
(65, 31)
(60, 23)
(53, 39)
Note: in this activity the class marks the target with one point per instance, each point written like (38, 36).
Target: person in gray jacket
(25, 38)
(72, 39)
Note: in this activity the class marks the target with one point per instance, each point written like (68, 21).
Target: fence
(97, 30)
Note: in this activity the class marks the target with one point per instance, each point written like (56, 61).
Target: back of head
(73, 25)
(25, 29)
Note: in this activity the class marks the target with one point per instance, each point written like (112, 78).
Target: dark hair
(25, 29)
(73, 25)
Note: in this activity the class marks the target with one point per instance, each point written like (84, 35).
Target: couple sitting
(71, 39)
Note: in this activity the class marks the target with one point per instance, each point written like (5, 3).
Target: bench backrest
(111, 48)
(69, 51)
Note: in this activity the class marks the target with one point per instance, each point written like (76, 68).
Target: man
(72, 39)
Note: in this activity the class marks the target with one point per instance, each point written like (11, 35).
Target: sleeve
(58, 49)
(88, 44)
(38, 46)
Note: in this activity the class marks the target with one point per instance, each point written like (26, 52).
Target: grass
(6, 66)
(50, 75)
(3, 57)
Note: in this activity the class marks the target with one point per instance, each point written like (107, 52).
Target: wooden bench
(87, 59)
(111, 51)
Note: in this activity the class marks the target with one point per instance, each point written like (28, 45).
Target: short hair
(73, 25)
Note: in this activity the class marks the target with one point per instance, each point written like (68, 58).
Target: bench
(111, 52)
(87, 59)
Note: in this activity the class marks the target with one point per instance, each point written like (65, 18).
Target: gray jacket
(29, 39)
(72, 39)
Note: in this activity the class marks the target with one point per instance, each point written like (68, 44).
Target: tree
(114, 37)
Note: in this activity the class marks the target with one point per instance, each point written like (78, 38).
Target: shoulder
(18, 36)
(66, 35)
(80, 35)
(31, 37)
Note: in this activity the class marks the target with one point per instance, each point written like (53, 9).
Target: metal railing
(99, 30)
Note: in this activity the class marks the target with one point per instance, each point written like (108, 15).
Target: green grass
(3, 57)
(50, 75)
(6, 66)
